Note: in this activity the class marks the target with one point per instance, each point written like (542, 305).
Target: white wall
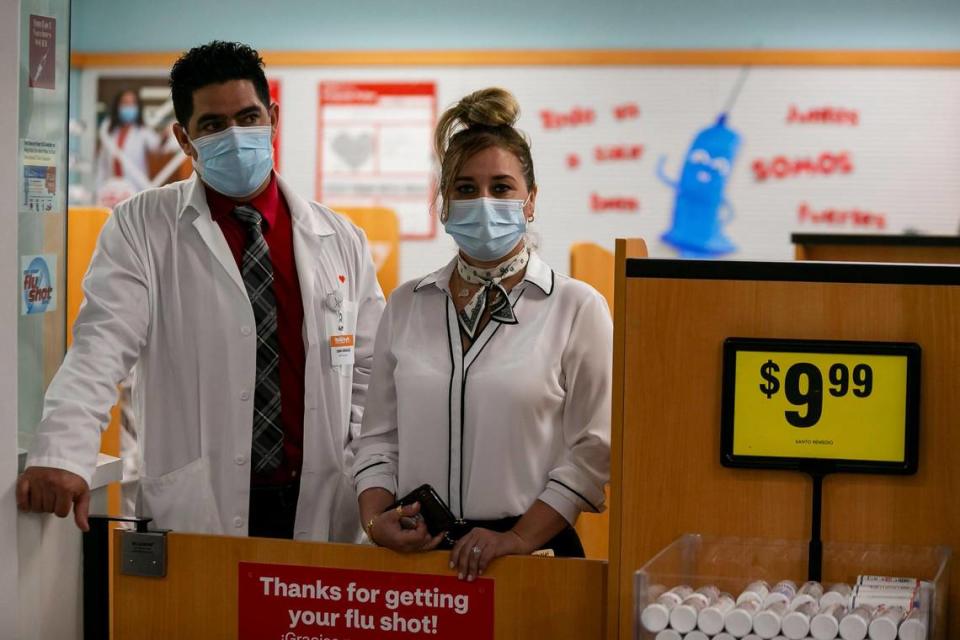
(900, 172)
(9, 74)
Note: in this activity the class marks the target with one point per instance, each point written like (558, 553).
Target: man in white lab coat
(249, 314)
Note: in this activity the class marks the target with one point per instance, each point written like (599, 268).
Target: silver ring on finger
(477, 550)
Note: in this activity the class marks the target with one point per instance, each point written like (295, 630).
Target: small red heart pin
(342, 279)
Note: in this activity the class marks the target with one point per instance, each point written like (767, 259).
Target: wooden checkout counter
(670, 320)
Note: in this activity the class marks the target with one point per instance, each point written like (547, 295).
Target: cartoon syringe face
(697, 229)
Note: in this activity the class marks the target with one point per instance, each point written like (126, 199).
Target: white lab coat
(164, 292)
(140, 140)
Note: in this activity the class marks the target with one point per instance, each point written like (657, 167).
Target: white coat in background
(140, 141)
(164, 292)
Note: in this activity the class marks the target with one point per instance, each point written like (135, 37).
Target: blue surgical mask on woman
(486, 228)
(128, 113)
(235, 161)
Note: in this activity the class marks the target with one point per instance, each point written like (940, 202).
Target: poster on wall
(38, 192)
(38, 279)
(374, 149)
(43, 52)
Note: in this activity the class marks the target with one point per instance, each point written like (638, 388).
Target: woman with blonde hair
(492, 375)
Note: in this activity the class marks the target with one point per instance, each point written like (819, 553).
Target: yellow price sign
(838, 404)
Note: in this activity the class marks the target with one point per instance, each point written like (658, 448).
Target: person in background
(492, 375)
(227, 292)
(123, 144)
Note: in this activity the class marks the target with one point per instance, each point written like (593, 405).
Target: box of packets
(702, 587)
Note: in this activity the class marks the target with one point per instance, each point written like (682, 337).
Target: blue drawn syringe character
(701, 209)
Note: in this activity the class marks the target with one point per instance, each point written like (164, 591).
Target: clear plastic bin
(732, 563)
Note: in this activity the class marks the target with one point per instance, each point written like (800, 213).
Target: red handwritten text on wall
(576, 117)
(825, 164)
(618, 152)
(823, 115)
(626, 111)
(616, 204)
(857, 218)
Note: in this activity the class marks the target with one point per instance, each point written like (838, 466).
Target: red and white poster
(375, 149)
(290, 602)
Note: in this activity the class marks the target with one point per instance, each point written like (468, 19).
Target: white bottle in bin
(855, 624)
(756, 589)
(669, 634)
(683, 617)
(739, 622)
(826, 624)
(886, 580)
(767, 623)
(913, 628)
(710, 620)
(796, 624)
(886, 622)
(723, 636)
(696, 635)
(838, 593)
(784, 591)
(656, 615)
(907, 600)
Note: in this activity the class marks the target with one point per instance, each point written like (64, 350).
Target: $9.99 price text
(844, 406)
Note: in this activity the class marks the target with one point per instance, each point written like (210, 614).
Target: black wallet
(436, 515)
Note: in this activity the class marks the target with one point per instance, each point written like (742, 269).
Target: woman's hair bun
(492, 107)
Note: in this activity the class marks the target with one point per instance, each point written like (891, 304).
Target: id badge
(341, 322)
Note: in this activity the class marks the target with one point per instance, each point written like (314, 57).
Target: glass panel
(42, 178)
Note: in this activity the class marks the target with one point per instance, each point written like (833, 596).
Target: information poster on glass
(41, 200)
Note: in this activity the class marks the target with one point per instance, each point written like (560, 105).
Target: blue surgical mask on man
(486, 228)
(128, 113)
(235, 161)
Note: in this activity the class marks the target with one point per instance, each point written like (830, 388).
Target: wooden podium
(852, 247)
(533, 597)
(671, 319)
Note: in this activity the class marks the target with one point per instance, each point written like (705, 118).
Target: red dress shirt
(277, 228)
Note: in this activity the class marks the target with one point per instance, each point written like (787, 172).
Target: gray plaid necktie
(258, 278)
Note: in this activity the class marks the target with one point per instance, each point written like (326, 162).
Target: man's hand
(48, 490)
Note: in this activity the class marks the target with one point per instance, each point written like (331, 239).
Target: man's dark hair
(214, 63)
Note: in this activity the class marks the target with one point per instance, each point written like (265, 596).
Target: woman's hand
(478, 548)
(402, 529)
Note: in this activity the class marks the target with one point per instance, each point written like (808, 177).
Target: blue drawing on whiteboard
(700, 210)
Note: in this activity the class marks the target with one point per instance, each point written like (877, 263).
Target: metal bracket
(143, 553)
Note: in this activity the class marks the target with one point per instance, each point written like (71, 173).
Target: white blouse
(522, 415)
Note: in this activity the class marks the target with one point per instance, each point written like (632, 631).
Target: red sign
(287, 602)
